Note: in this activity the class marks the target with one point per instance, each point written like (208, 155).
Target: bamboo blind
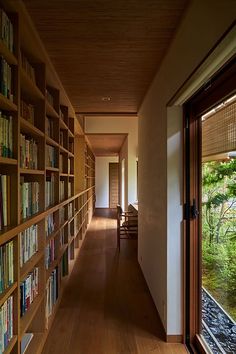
(219, 131)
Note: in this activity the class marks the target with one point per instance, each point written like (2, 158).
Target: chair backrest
(119, 211)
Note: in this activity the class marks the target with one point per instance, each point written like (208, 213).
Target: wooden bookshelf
(42, 112)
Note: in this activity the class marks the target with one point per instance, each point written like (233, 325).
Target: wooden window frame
(219, 88)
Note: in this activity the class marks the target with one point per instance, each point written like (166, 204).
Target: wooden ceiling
(104, 48)
(106, 144)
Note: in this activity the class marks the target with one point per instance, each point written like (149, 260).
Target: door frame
(218, 88)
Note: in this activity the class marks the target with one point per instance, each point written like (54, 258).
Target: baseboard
(174, 338)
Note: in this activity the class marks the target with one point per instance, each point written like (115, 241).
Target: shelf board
(50, 141)
(8, 161)
(28, 171)
(63, 124)
(63, 174)
(7, 54)
(50, 111)
(63, 225)
(71, 135)
(53, 169)
(51, 267)
(52, 235)
(71, 176)
(29, 86)
(29, 128)
(29, 315)
(30, 264)
(7, 104)
(63, 150)
(11, 344)
(5, 295)
(70, 153)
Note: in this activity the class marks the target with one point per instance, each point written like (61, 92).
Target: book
(6, 323)
(25, 341)
(5, 79)
(6, 266)
(6, 136)
(51, 293)
(28, 243)
(49, 224)
(49, 126)
(4, 201)
(29, 198)
(6, 30)
(51, 157)
(62, 190)
(50, 190)
(28, 67)
(49, 97)
(29, 290)
(50, 255)
(28, 152)
(27, 111)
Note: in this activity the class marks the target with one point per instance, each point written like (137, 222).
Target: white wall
(160, 179)
(102, 180)
(122, 125)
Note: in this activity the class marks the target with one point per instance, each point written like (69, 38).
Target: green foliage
(219, 231)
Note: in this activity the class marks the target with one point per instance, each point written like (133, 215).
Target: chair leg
(118, 239)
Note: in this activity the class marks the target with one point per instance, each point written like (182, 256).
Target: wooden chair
(127, 225)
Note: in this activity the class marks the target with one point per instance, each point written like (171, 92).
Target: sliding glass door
(210, 215)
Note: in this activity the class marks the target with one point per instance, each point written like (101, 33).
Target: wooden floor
(106, 307)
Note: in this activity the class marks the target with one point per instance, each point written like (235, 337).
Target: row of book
(70, 210)
(61, 164)
(71, 229)
(29, 192)
(71, 146)
(62, 237)
(62, 115)
(28, 243)
(61, 138)
(6, 323)
(69, 189)
(50, 255)
(27, 111)
(29, 290)
(62, 213)
(62, 190)
(6, 137)
(51, 156)
(28, 152)
(49, 127)
(29, 69)
(5, 200)
(49, 224)
(6, 266)
(6, 30)
(51, 293)
(64, 264)
(49, 97)
(5, 79)
(50, 190)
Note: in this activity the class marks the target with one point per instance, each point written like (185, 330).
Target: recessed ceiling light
(106, 98)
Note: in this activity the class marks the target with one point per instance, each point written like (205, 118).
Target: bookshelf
(46, 198)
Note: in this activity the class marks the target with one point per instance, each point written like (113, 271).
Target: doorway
(210, 215)
(123, 184)
(113, 184)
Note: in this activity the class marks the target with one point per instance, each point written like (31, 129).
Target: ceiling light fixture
(106, 98)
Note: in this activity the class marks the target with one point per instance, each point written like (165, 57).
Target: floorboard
(106, 307)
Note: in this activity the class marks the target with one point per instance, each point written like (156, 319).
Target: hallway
(106, 307)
